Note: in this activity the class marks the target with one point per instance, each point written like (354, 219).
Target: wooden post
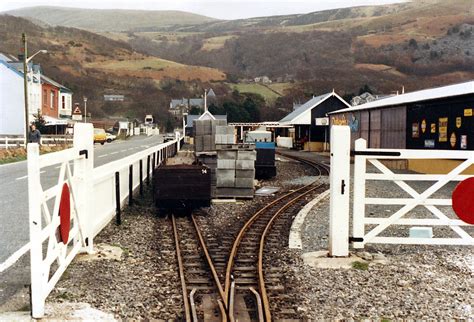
(36, 250)
(340, 188)
(141, 177)
(148, 170)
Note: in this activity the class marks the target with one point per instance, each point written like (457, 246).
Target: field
(215, 42)
(157, 69)
(379, 68)
(280, 87)
(270, 92)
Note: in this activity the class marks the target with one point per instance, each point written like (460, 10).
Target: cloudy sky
(221, 9)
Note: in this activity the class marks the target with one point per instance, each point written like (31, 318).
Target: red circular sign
(65, 214)
(463, 200)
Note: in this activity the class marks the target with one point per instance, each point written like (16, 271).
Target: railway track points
(232, 280)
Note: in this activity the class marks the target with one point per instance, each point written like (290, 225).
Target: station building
(437, 118)
(310, 121)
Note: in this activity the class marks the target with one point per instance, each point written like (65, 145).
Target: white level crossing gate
(50, 255)
(377, 227)
(65, 218)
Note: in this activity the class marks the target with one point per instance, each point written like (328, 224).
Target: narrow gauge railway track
(245, 269)
(197, 271)
(248, 286)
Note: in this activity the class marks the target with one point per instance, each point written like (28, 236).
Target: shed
(436, 118)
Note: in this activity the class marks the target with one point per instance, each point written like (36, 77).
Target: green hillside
(109, 19)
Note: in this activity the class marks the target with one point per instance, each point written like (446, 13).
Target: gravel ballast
(392, 281)
(416, 281)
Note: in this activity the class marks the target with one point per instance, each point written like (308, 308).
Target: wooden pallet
(238, 146)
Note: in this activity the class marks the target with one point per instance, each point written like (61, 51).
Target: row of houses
(178, 107)
(46, 96)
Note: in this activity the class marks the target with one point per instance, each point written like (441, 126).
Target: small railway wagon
(181, 188)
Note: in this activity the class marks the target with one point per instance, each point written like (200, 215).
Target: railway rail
(234, 278)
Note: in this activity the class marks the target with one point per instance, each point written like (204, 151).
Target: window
(45, 97)
(63, 99)
(51, 104)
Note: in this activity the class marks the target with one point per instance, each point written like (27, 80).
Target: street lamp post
(25, 81)
(85, 109)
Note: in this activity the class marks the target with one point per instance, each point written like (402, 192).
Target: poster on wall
(415, 130)
(429, 144)
(433, 127)
(423, 126)
(443, 129)
(458, 122)
(468, 112)
(463, 143)
(453, 139)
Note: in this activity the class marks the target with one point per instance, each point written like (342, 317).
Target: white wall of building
(34, 93)
(67, 110)
(12, 104)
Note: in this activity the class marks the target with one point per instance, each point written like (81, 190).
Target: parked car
(100, 136)
(169, 137)
(110, 137)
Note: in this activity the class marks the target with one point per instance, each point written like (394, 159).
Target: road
(14, 231)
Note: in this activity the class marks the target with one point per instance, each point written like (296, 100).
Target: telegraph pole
(85, 109)
(25, 85)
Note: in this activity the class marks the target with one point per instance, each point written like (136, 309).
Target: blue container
(265, 145)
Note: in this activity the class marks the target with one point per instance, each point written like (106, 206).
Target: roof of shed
(296, 116)
(417, 96)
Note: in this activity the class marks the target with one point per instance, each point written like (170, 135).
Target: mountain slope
(109, 19)
(92, 65)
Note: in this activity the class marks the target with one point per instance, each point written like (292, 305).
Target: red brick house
(50, 97)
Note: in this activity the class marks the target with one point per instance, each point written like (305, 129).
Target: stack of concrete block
(204, 132)
(225, 135)
(235, 173)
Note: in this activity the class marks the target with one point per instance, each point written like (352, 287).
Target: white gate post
(35, 225)
(358, 214)
(83, 143)
(340, 190)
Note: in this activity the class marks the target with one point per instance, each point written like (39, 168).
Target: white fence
(370, 228)
(93, 196)
(48, 140)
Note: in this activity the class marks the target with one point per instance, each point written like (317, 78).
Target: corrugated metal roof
(299, 115)
(417, 96)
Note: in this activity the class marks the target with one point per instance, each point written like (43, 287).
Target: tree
(40, 122)
(169, 125)
(195, 110)
(365, 89)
